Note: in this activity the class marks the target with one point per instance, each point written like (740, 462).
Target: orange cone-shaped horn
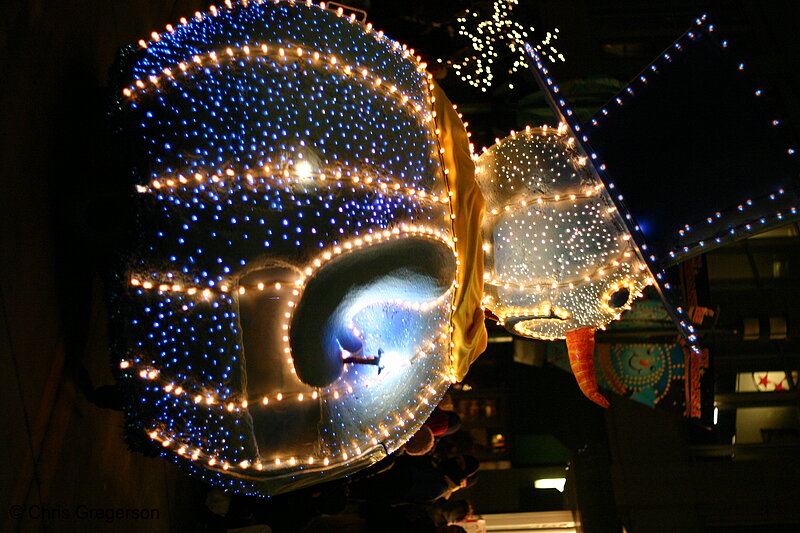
(580, 346)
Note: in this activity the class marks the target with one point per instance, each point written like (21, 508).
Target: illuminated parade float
(316, 243)
(289, 309)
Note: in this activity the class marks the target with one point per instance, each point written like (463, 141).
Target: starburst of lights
(488, 38)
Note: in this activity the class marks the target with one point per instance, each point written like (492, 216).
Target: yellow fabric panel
(469, 330)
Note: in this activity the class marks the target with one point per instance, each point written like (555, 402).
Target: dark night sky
(64, 209)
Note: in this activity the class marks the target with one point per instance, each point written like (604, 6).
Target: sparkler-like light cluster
(271, 139)
(557, 255)
(490, 37)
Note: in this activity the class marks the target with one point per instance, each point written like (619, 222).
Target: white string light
(557, 255)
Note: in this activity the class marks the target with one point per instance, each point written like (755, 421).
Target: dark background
(64, 211)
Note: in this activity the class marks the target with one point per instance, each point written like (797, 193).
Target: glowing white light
(303, 170)
(551, 483)
(393, 360)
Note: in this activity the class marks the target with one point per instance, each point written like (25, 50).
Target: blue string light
(277, 133)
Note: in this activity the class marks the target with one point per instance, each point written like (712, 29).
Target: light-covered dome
(287, 302)
(557, 255)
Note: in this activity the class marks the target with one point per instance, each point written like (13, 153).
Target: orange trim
(580, 347)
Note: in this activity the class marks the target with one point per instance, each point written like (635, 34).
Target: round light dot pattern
(267, 139)
(556, 250)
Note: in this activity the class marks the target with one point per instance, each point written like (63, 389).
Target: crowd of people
(414, 489)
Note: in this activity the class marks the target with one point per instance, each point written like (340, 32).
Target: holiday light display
(558, 259)
(490, 37)
(724, 132)
(288, 302)
(306, 279)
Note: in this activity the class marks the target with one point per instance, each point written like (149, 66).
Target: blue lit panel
(286, 303)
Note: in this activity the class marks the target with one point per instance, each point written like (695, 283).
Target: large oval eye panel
(391, 303)
(405, 272)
